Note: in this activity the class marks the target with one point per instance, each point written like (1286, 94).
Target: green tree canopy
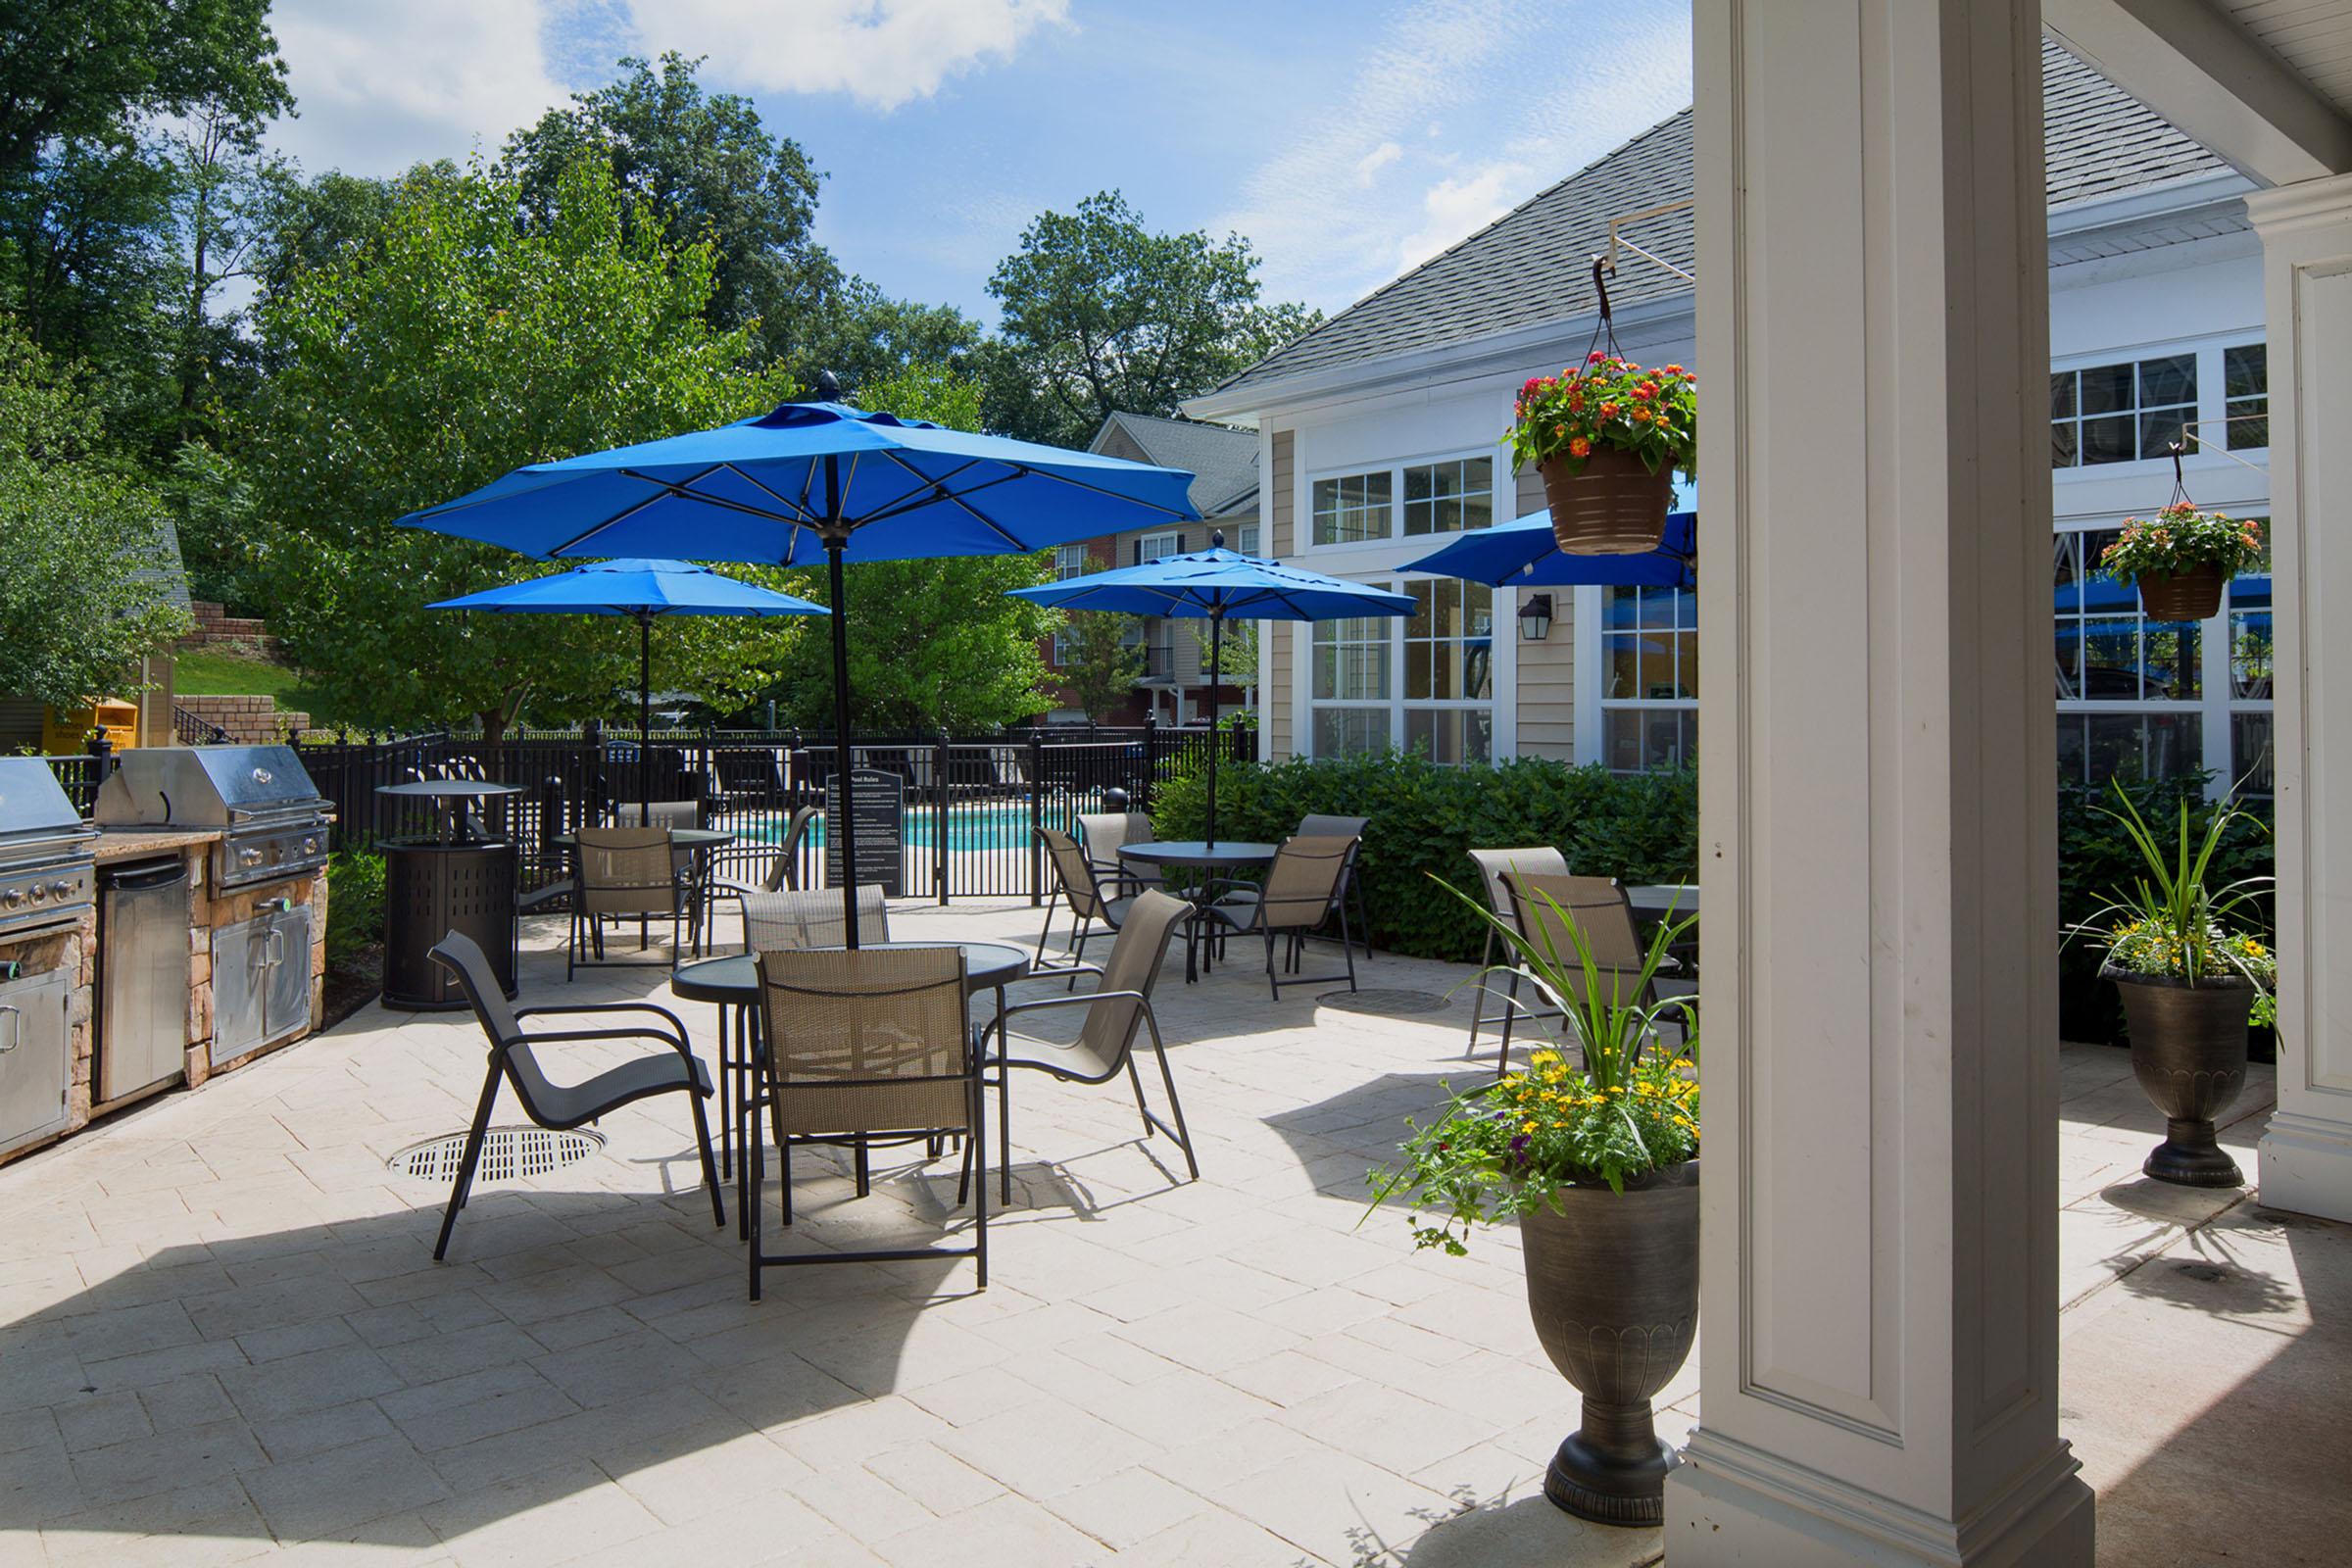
(1100, 313)
(87, 589)
(933, 644)
(452, 347)
(704, 167)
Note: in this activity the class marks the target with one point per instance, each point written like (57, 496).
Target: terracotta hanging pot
(1614, 506)
(2190, 595)
(2189, 1051)
(1612, 1284)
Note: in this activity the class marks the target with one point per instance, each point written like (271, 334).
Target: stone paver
(222, 1338)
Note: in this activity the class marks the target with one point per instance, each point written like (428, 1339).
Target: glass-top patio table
(1195, 855)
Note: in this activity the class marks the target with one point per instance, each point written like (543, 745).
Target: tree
(703, 167)
(933, 644)
(452, 347)
(1100, 314)
(867, 340)
(87, 589)
(1102, 656)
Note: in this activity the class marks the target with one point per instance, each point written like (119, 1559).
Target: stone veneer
(76, 951)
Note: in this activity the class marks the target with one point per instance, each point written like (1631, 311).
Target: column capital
(2305, 205)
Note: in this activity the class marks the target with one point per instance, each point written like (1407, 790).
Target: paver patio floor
(222, 1338)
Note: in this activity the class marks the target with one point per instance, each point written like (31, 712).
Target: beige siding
(1547, 669)
(1276, 504)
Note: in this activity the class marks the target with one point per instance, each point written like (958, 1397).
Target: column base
(1731, 1506)
(2306, 1166)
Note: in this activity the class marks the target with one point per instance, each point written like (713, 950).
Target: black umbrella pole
(645, 719)
(1217, 642)
(847, 827)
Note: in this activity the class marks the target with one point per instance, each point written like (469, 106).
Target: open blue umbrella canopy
(1525, 554)
(643, 589)
(817, 481)
(1215, 585)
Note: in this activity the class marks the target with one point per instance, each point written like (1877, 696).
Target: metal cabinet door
(36, 1058)
(238, 988)
(287, 1005)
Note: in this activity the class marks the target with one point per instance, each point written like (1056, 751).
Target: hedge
(1638, 828)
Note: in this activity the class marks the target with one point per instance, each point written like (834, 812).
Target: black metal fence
(972, 804)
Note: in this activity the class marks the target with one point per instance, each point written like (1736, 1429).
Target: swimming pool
(969, 827)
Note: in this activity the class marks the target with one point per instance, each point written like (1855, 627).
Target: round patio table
(1195, 855)
(733, 983)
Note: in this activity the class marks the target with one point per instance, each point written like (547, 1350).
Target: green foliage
(1651, 412)
(933, 644)
(86, 592)
(354, 905)
(868, 339)
(2170, 919)
(454, 347)
(2180, 538)
(1098, 314)
(1641, 828)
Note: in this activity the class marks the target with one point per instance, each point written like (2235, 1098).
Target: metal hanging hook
(2180, 485)
(1603, 265)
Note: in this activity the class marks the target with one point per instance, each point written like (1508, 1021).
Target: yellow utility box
(65, 731)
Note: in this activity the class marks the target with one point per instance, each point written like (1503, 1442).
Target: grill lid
(205, 786)
(31, 800)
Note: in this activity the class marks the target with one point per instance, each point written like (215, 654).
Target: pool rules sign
(878, 807)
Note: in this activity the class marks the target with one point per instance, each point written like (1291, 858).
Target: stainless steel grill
(46, 878)
(272, 818)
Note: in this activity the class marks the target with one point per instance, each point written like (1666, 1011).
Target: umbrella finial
(1216, 539)
(828, 387)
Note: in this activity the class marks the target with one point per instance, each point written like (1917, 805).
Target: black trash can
(432, 888)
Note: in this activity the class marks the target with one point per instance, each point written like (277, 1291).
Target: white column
(2307, 272)
(1877, 816)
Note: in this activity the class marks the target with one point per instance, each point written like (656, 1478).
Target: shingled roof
(1223, 460)
(1524, 270)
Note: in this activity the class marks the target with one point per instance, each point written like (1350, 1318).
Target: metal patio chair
(1105, 1044)
(872, 1045)
(623, 871)
(740, 868)
(1318, 825)
(1598, 908)
(1535, 860)
(1077, 887)
(1300, 891)
(562, 1108)
(692, 868)
(1103, 834)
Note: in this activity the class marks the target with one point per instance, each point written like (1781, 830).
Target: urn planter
(2189, 1051)
(1614, 506)
(2190, 595)
(1613, 1282)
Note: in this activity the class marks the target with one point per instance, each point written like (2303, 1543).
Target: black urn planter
(2189, 1051)
(1613, 1282)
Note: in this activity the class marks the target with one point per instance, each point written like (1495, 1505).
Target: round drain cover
(508, 1153)
(1393, 1002)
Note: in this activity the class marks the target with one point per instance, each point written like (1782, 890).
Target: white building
(1381, 430)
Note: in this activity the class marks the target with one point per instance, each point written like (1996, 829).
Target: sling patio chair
(623, 871)
(1102, 834)
(560, 1108)
(1302, 889)
(1537, 860)
(1542, 906)
(740, 868)
(1120, 1003)
(1318, 825)
(692, 869)
(872, 1044)
(1075, 884)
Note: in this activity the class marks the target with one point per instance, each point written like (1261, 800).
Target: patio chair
(1539, 859)
(1105, 1043)
(557, 1106)
(740, 868)
(1317, 825)
(874, 1044)
(624, 871)
(690, 867)
(1103, 834)
(1598, 906)
(1077, 887)
(1302, 890)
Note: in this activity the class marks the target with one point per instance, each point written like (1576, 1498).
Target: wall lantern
(1535, 618)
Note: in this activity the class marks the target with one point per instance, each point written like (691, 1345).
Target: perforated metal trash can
(432, 889)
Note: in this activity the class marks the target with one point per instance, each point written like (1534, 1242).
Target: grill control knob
(61, 890)
(248, 856)
(37, 894)
(310, 846)
(9, 897)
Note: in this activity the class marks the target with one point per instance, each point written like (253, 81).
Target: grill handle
(16, 1027)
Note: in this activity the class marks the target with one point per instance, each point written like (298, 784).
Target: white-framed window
(1649, 678)
(1157, 547)
(1404, 501)
(1427, 680)
(1061, 649)
(2120, 413)
(1069, 560)
(1246, 537)
(2246, 394)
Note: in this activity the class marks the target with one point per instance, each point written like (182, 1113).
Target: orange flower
(1580, 448)
(1646, 390)
(1640, 416)
(1608, 411)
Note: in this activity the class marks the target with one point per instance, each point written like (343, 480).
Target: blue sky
(1347, 141)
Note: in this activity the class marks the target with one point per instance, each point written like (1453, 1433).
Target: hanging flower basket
(1607, 437)
(2181, 558)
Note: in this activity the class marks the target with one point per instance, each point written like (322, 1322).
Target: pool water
(973, 827)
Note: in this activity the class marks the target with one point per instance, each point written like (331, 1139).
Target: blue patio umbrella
(813, 481)
(1525, 554)
(1215, 585)
(644, 590)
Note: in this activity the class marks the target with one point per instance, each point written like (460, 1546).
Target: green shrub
(1425, 817)
(355, 906)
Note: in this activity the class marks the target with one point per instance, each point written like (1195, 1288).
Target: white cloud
(1378, 158)
(883, 53)
(1453, 209)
